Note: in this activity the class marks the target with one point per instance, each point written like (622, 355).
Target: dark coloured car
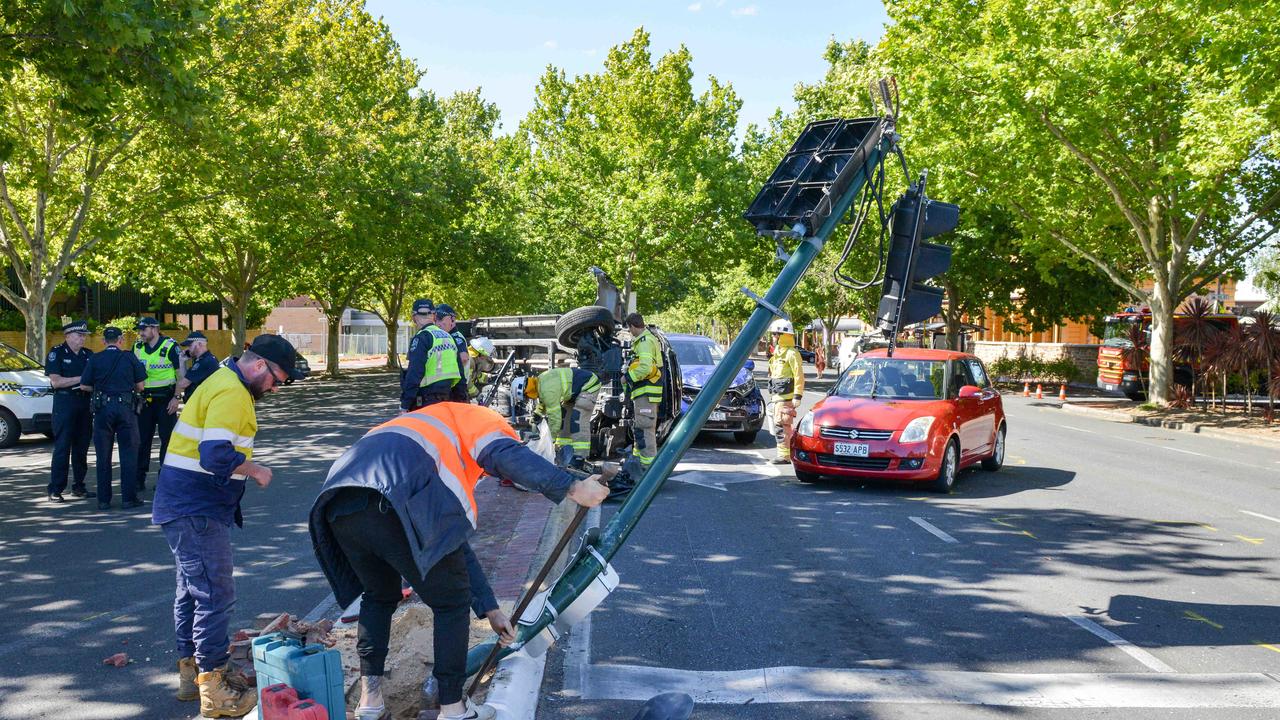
(741, 408)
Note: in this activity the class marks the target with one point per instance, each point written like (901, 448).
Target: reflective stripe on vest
(442, 358)
(436, 430)
(645, 386)
(160, 370)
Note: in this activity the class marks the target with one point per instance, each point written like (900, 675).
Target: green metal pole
(577, 578)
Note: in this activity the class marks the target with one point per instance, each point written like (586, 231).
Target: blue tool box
(313, 670)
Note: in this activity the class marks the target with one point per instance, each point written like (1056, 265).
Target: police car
(26, 397)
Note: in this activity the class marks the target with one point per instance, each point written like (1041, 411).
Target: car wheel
(745, 437)
(10, 430)
(996, 461)
(807, 477)
(574, 323)
(950, 468)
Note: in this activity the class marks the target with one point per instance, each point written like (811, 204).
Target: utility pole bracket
(766, 304)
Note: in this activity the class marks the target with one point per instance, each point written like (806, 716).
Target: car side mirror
(969, 391)
(750, 366)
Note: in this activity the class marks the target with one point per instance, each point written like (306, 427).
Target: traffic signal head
(905, 299)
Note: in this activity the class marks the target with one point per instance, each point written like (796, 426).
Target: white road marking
(1123, 645)
(1072, 427)
(873, 685)
(1260, 515)
(577, 655)
(933, 530)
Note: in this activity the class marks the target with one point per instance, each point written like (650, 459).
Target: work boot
(219, 699)
(187, 673)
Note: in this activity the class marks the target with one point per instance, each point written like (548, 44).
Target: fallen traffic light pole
(805, 198)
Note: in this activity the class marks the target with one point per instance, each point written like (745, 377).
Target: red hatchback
(919, 416)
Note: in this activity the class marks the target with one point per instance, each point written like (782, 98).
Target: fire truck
(1116, 370)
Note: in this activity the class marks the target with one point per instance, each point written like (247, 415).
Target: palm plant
(1192, 335)
(1136, 352)
(1263, 340)
(1225, 356)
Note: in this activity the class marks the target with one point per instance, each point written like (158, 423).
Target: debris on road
(118, 660)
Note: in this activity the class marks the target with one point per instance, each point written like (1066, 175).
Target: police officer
(114, 376)
(159, 409)
(203, 363)
(433, 369)
(447, 320)
(72, 417)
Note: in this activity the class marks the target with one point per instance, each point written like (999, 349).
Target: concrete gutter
(1178, 425)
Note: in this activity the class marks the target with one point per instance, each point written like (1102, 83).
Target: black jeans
(374, 542)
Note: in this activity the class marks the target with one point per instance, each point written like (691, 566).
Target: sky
(761, 48)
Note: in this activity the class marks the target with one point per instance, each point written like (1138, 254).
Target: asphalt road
(78, 585)
(1108, 570)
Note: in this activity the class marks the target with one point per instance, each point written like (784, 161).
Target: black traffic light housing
(905, 299)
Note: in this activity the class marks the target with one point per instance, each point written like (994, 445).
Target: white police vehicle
(26, 397)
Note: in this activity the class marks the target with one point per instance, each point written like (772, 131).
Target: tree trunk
(36, 314)
(1161, 352)
(393, 350)
(331, 343)
(626, 293)
(239, 320)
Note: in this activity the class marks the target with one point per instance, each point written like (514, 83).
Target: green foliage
(1024, 368)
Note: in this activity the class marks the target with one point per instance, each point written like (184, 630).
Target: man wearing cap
(159, 409)
(72, 418)
(447, 320)
(433, 369)
(202, 479)
(114, 377)
(203, 363)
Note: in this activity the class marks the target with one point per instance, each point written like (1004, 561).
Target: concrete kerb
(1178, 425)
(517, 682)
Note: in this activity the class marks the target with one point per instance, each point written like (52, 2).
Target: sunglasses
(277, 373)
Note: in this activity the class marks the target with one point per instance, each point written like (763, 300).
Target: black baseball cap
(79, 326)
(112, 333)
(443, 310)
(195, 335)
(423, 306)
(279, 351)
(146, 322)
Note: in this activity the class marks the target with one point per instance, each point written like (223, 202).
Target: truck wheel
(10, 430)
(574, 323)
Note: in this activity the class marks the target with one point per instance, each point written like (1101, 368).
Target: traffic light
(905, 299)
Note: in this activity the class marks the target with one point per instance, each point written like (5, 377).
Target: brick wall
(1084, 355)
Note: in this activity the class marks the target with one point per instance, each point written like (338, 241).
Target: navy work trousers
(115, 424)
(154, 416)
(206, 591)
(374, 542)
(72, 433)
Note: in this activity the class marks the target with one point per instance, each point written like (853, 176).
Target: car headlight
(33, 391)
(805, 427)
(917, 430)
(747, 386)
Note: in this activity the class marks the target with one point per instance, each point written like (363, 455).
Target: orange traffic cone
(1062, 393)
(1039, 392)
(1026, 389)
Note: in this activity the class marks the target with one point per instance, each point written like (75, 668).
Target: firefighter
(568, 399)
(433, 369)
(786, 386)
(644, 375)
(401, 503)
(481, 365)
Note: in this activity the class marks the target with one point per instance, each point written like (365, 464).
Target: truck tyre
(574, 323)
(10, 430)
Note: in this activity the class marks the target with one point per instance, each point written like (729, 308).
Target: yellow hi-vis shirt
(220, 409)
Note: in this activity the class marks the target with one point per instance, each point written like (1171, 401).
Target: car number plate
(853, 449)
(718, 417)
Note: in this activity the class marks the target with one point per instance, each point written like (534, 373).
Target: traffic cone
(1026, 389)
(1039, 392)
(1062, 393)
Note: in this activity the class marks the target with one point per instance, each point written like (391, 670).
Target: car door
(968, 410)
(985, 420)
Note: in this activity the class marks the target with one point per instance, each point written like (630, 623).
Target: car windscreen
(692, 352)
(11, 359)
(893, 378)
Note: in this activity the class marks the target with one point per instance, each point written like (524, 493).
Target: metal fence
(358, 341)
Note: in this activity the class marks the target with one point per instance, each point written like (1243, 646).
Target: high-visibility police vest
(647, 352)
(222, 409)
(442, 358)
(453, 435)
(161, 372)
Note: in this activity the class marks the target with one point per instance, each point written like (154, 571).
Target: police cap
(146, 322)
(112, 334)
(443, 310)
(195, 335)
(279, 351)
(423, 306)
(79, 326)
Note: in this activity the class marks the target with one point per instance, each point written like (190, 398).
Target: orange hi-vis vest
(454, 435)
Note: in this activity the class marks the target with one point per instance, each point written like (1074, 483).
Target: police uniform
(201, 367)
(433, 370)
(457, 393)
(114, 374)
(161, 364)
(72, 418)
